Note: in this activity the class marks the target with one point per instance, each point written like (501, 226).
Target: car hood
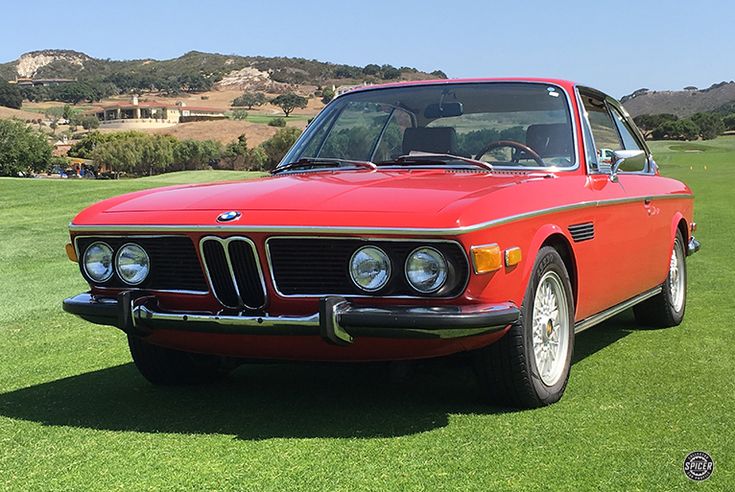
(415, 198)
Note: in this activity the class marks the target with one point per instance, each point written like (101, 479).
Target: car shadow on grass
(263, 401)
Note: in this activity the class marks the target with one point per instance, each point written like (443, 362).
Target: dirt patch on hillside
(224, 131)
(8, 113)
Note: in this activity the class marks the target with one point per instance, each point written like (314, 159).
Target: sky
(615, 46)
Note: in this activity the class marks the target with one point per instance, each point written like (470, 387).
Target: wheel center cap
(549, 327)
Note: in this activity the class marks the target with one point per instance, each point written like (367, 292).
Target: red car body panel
(635, 220)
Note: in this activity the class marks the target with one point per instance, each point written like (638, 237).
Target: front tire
(529, 366)
(168, 367)
(667, 308)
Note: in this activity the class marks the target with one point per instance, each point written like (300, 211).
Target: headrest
(548, 140)
(437, 140)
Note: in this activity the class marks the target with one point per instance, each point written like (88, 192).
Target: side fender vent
(582, 232)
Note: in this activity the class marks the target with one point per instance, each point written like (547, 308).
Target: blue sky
(616, 46)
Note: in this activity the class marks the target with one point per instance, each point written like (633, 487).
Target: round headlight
(97, 262)
(370, 268)
(132, 264)
(426, 270)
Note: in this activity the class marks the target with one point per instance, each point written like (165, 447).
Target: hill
(196, 71)
(681, 103)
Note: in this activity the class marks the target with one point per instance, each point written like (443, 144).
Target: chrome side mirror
(634, 160)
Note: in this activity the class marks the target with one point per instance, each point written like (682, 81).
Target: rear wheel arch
(679, 224)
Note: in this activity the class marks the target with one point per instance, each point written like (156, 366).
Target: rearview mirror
(443, 110)
(627, 161)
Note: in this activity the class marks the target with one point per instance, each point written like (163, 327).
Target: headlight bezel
(111, 266)
(447, 269)
(388, 270)
(118, 269)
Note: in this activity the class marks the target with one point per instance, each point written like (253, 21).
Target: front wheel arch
(552, 235)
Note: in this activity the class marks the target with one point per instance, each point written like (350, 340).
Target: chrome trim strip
(413, 231)
(142, 313)
(367, 240)
(225, 242)
(598, 318)
(138, 236)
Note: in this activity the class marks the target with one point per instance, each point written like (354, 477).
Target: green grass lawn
(75, 414)
(264, 119)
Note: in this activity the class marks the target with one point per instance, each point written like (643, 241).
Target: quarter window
(626, 133)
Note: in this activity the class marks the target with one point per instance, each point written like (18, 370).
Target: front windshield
(505, 124)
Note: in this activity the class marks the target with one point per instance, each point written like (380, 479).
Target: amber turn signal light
(487, 258)
(71, 252)
(513, 256)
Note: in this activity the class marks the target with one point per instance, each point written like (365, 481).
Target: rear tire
(169, 367)
(516, 370)
(667, 309)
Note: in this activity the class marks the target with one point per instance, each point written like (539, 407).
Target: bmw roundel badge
(228, 216)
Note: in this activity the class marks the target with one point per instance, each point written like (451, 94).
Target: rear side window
(629, 141)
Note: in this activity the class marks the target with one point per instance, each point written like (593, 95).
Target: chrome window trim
(403, 231)
(615, 104)
(367, 240)
(225, 242)
(288, 157)
(135, 236)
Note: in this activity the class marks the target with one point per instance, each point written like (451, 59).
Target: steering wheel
(514, 145)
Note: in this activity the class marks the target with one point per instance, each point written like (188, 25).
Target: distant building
(153, 114)
(28, 82)
(338, 91)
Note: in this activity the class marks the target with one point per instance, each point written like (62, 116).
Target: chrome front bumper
(338, 321)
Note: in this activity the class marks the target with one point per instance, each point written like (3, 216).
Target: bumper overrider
(337, 321)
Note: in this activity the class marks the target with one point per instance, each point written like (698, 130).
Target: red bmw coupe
(494, 216)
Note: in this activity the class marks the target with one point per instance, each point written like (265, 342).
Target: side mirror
(627, 160)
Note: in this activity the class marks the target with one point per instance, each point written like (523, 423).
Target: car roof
(566, 84)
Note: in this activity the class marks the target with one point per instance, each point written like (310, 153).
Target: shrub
(277, 122)
(239, 114)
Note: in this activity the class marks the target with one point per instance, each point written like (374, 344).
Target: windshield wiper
(306, 162)
(435, 159)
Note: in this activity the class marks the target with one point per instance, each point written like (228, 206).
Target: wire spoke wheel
(677, 278)
(550, 328)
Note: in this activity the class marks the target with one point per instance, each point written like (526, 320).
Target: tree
(390, 73)
(710, 125)
(250, 99)
(195, 154)
(22, 149)
(371, 69)
(86, 121)
(328, 94)
(677, 130)
(277, 146)
(85, 147)
(729, 121)
(439, 74)
(648, 122)
(10, 95)
(289, 101)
